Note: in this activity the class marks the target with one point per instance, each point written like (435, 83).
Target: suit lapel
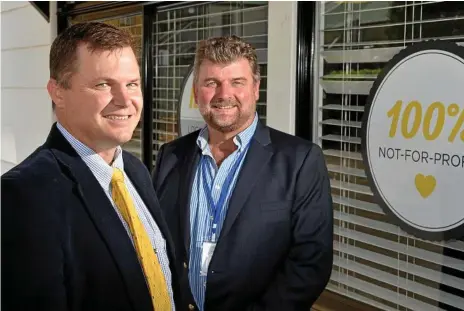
(188, 166)
(104, 217)
(255, 160)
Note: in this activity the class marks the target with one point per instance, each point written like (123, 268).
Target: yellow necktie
(147, 257)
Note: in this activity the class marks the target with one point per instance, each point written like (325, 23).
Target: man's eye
(132, 85)
(211, 84)
(102, 85)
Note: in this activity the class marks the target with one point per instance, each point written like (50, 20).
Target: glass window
(177, 33)
(375, 261)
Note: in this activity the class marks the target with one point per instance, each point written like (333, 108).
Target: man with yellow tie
(81, 223)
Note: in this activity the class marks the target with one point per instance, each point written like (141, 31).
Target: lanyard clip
(213, 233)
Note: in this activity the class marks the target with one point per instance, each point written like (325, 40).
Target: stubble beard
(230, 124)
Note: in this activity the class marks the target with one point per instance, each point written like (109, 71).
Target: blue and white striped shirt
(103, 173)
(200, 211)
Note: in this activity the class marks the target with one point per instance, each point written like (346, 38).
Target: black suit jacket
(275, 249)
(63, 245)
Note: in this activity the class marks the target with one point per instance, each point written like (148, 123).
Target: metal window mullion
(174, 58)
(385, 8)
(186, 54)
(186, 5)
(119, 16)
(257, 8)
(394, 42)
(214, 27)
(318, 74)
(195, 42)
(428, 21)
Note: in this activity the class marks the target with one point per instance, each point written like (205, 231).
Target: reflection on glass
(177, 33)
(397, 21)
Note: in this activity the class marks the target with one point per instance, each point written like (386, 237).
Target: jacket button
(191, 307)
(185, 265)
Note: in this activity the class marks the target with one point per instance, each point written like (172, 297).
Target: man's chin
(124, 140)
(120, 139)
(224, 127)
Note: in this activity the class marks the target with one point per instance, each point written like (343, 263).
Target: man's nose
(224, 92)
(121, 96)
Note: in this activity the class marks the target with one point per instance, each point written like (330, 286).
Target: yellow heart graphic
(425, 184)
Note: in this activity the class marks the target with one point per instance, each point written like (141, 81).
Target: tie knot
(118, 175)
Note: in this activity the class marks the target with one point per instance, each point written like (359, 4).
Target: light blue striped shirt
(200, 212)
(103, 173)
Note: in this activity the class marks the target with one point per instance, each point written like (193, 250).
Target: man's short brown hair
(225, 50)
(96, 35)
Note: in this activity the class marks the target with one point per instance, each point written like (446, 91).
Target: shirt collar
(100, 169)
(241, 140)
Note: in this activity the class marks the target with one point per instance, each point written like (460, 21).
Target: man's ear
(256, 89)
(56, 92)
(194, 90)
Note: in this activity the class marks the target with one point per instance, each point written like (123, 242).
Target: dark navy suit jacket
(63, 245)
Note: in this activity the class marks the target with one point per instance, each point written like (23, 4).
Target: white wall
(26, 113)
(281, 70)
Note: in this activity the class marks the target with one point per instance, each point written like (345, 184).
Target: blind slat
(400, 282)
(347, 87)
(362, 205)
(369, 223)
(346, 170)
(343, 154)
(360, 56)
(344, 139)
(336, 122)
(350, 187)
(388, 228)
(343, 107)
(364, 299)
(376, 55)
(401, 265)
(386, 294)
(400, 248)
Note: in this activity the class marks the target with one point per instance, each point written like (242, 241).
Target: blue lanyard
(219, 206)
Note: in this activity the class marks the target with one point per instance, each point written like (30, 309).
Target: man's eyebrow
(210, 79)
(108, 79)
(217, 80)
(239, 78)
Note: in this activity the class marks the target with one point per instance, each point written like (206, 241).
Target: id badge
(206, 255)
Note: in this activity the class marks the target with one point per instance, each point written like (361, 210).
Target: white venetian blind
(177, 31)
(374, 260)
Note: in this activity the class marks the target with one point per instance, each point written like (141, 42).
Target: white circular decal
(190, 118)
(413, 139)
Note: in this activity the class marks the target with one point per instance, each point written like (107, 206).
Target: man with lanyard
(216, 198)
(249, 207)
